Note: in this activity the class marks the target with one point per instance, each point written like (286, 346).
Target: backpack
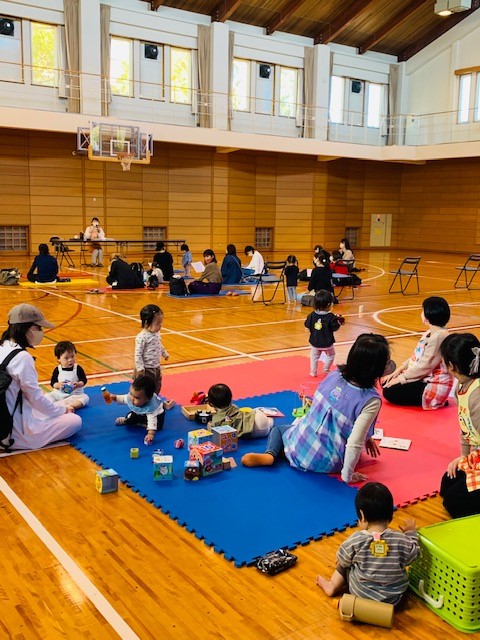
(9, 277)
(6, 419)
(137, 267)
(178, 287)
(152, 281)
(307, 300)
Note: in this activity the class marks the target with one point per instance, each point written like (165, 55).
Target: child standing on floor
(460, 487)
(68, 378)
(291, 274)
(146, 407)
(372, 562)
(251, 424)
(322, 324)
(149, 348)
(186, 260)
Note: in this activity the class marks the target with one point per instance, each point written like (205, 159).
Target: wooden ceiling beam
(392, 24)
(283, 16)
(433, 34)
(224, 10)
(333, 29)
(154, 4)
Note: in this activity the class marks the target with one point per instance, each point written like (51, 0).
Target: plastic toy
(67, 387)
(199, 397)
(107, 396)
(106, 481)
(179, 444)
(203, 417)
(199, 436)
(276, 561)
(307, 400)
(134, 452)
(192, 470)
(225, 437)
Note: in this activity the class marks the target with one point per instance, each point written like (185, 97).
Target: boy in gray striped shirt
(372, 562)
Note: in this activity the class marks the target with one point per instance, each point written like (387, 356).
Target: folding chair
(273, 273)
(471, 267)
(62, 251)
(407, 270)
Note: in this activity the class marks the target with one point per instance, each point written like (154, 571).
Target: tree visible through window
(337, 99)
(121, 66)
(44, 54)
(288, 92)
(240, 85)
(181, 76)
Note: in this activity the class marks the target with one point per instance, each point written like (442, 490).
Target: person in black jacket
(322, 324)
(122, 276)
(44, 268)
(321, 277)
(164, 260)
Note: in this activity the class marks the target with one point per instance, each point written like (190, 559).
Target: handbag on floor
(178, 287)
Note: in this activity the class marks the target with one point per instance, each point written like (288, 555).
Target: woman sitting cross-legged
(44, 267)
(340, 422)
(211, 278)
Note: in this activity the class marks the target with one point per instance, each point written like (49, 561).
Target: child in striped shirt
(372, 562)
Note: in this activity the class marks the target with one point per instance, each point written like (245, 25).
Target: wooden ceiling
(398, 27)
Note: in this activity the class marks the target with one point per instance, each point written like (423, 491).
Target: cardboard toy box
(189, 411)
(198, 436)
(106, 481)
(162, 467)
(225, 436)
(210, 457)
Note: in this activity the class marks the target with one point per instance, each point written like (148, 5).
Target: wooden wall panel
(211, 199)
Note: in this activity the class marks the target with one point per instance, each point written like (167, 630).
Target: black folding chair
(62, 251)
(469, 271)
(273, 274)
(407, 270)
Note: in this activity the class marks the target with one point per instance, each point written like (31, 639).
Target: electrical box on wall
(356, 86)
(264, 70)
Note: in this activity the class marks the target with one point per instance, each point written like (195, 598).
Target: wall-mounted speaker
(264, 71)
(7, 27)
(356, 86)
(151, 51)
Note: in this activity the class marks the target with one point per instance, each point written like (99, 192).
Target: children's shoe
(234, 294)
(229, 293)
(313, 375)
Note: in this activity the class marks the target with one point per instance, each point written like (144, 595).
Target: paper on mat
(271, 412)
(377, 434)
(395, 443)
(199, 267)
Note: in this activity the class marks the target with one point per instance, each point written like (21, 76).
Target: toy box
(106, 481)
(162, 467)
(447, 574)
(225, 437)
(199, 436)
(189, 411)
(209, 456)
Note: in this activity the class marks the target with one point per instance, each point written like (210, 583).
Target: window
(241, 85)
(121, 64)
(181, 76)
(464, 97)
(374, 105)
(288, 92)
(263, 238)
(13, 239)
(44, 41)
(153, 234)
(476, 115)
(468, 95)
(337, 99)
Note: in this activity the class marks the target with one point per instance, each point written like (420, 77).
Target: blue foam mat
(243, 513)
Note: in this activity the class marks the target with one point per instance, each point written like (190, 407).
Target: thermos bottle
(363, 610)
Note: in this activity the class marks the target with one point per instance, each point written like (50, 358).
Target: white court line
(376, 318)
(76, 574)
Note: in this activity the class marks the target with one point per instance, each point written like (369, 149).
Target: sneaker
(313, 375)
(229, 293)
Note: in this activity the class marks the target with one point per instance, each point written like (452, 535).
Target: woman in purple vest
(340, 422)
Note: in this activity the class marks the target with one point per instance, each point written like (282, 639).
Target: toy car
(276, 561)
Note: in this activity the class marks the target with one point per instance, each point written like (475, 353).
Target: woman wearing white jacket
(37, 420)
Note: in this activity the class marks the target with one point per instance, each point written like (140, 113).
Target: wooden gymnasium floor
(91, 567)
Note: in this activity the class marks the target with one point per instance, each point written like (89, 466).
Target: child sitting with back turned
(372, 562)
(322, 324)
(251, 424)
(146, 407)
(68, 378)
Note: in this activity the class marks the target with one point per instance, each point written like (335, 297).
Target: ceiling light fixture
(447, 7)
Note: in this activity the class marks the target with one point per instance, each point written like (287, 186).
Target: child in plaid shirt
(340, 422)
(460, 487)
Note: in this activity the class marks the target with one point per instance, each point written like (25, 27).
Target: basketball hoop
(125, 160)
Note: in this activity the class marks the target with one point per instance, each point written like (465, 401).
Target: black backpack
(152, 282)
(178, 287)
(6, 419)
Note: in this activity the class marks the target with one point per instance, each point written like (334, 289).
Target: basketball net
(125, 160)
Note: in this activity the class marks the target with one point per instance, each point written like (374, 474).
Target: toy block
(162, 467)
(191, 470)
(106, 481)
(228, 463)
(198, 436)
(209, 457)
(225, 437)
